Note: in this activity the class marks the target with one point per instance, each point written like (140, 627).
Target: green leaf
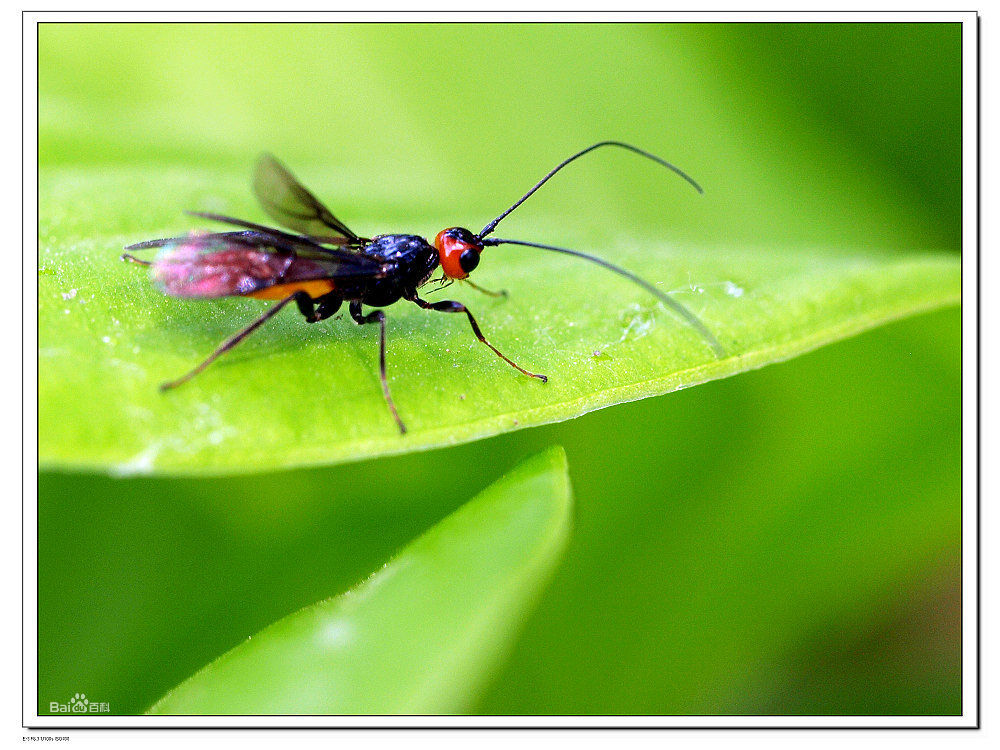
(297, 394)
(423, 633)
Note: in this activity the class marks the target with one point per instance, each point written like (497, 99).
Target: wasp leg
(451, 306)
(306, 306)
(379, 317)
(326, 306)
(487, 292)
(321, 308)
(140, 261)
(233, 340)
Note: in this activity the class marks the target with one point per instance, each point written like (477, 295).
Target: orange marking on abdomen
(314, 289)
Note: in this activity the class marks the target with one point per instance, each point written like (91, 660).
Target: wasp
(320, 264)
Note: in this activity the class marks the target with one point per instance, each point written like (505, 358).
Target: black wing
(264, 236)
(295, 239)
(241, 263)
(292, 242)
(266, 240)
(286, 201)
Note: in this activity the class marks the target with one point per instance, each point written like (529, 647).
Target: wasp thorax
(459, 250)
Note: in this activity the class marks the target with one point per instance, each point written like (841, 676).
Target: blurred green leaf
(296, 394)
(843, 134)
(423, 633)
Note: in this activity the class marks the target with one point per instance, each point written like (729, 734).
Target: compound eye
(458, 250)
(468, 260)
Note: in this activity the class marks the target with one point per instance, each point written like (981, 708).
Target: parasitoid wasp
(324, 264)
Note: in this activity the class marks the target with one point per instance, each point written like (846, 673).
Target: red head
(459, 250)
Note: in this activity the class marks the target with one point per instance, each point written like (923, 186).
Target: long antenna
(488, 229)
(693, 320)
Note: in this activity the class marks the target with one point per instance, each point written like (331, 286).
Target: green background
(786, 541)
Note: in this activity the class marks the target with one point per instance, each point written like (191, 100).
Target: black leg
(321, 308)
(487, 292)
(327, 305)
(233, 340)
(442, 283)
(379, 317)
(457, 307)
(129, 256)
(306, 306)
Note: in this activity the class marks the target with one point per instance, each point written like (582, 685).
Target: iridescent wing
(286, 201)
(296, 239)
(241, 263)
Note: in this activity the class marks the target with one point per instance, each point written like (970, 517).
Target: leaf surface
(423, 633)
(295, 394)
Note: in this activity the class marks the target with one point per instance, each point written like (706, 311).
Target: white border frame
(970, 368)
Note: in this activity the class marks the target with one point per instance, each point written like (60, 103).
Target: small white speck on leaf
(733, 290)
